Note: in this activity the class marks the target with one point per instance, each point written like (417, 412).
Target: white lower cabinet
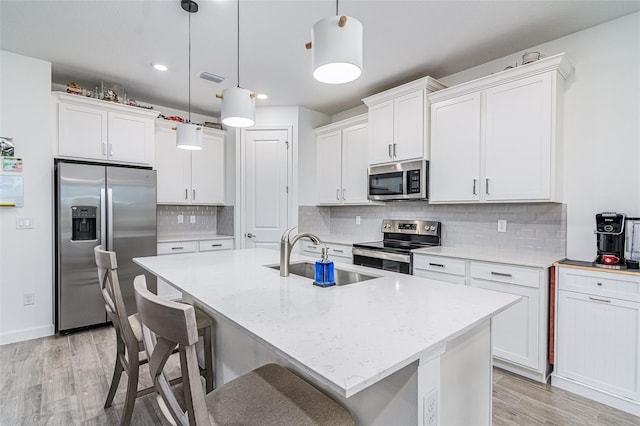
(440, 268)
(340, 253)
(520, 333)
(598, 337)
(177, 247)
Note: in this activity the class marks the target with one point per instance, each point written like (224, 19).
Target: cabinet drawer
(337, 250)
(626, 287)
(178, 247)
(529, 277)
(443, 265)
(309, 247)
(210, 245)
(439, 276)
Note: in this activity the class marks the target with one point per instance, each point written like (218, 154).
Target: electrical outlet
(180, 218)
(28, 299)
(24, 222)
(431, 408)
(357, 220)
(192, 219)
(502, 225)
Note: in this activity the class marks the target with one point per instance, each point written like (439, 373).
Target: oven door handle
(404, 258)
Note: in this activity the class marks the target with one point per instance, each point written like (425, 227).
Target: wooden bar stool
(268, 395)
(130, 352)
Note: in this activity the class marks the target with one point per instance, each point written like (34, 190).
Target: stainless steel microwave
(398, 181)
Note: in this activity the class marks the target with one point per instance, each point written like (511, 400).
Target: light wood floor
(63, 380)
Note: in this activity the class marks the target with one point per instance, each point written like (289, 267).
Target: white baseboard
(26, 334)
(615, 401)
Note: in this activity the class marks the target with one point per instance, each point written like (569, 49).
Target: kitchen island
(396, 349)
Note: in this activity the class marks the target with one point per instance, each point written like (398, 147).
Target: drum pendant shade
(238, 107)
(337, 50)
(189, 136)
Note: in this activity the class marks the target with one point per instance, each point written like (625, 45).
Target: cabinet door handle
(338, 194)
(390, 154)
(111, 149)
(439, 265)
(599, 283)
(177, 248)
(595, 299)
(104, 148)
(394, 150)
(310, 247)
(249, 235)
(216, 245)
(475, 191)
(194, 194)
(338, 250)
(186, 194)
(344, 194)
(501, 274)
(486, 186)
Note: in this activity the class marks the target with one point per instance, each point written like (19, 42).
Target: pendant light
(336, 44)
(189, 135)
(238, 104)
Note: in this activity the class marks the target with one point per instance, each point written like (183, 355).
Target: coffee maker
(610, 240)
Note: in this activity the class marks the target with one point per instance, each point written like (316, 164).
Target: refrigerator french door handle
(110, 218)
(103, 219)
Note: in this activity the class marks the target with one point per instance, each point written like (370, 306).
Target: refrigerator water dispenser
(83, 220)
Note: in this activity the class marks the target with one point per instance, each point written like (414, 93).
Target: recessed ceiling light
(160, 67)
(262, 96)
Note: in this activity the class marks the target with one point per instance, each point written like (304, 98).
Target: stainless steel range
(393, 253)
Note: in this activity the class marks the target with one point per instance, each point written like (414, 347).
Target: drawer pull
(312, 247)
(439, 265)
(599, 300)
(500, 274)
(177, 248)
(338, 250)
(599, 284)
(216, 245)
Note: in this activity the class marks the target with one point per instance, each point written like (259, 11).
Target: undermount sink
(342, 277)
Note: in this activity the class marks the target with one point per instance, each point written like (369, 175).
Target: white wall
(26, 255)
(308, 121)
(601, 135)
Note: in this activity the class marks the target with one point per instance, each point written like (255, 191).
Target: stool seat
(273, 395)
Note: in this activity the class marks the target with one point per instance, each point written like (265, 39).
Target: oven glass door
(387, 184)
(384, 264)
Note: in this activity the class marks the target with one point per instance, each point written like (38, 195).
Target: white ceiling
(117, 41)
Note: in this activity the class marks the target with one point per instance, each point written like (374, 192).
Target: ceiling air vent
(211, 77)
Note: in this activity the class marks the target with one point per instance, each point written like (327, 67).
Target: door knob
(249, 235)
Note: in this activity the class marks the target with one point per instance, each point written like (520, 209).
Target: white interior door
(266, 174)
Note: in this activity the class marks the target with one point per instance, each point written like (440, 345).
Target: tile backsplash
(208, 220)
(530, 226)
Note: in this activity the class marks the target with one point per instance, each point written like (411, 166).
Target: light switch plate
(192, 219)
(357, 220)
(24, 222)
(502, 225)
(180, 218)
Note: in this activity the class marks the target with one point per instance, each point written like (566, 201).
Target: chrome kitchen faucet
(286, 246)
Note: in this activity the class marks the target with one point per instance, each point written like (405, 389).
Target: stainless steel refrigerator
(99, 205)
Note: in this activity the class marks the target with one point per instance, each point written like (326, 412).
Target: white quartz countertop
(347, 337)
(512, 257)
(199, 237)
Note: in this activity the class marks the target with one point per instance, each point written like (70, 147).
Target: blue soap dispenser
(325, 276)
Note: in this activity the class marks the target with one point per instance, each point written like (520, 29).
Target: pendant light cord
(189, 67)
(336, 7)
(238, 62)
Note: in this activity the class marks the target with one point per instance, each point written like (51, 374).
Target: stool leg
(132, 390)
(117, 373)
(208, 359)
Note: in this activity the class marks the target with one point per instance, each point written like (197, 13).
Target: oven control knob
(432, 227)
(608, 228)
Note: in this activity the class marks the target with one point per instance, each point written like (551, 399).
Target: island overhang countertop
(347, 337)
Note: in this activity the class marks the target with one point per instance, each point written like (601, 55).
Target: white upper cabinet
(91, 129)
(398, 122)
(455, 165)
(341, 172)
(497, 139)
(189, 177)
